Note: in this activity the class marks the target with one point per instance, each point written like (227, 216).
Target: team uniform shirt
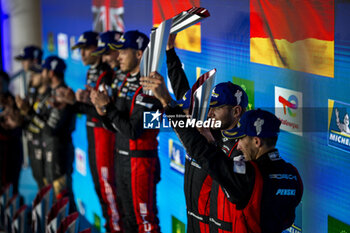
(57, 126)
(197, 182)
(265, 192)
(33, 126)
(11, 157)
(137, 163)
(220, 213)
(101, 143)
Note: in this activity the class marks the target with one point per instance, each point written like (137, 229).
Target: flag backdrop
(108, 15)
(229, 42)
(293, 34)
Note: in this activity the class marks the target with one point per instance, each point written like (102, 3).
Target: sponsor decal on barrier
(288, 108)
(338, 125)
(337, 226)
(80, 161)
(81, 207)
(177, 156)
(177, 225)
(75, 54)
(50, 42)
(62, 45)
(248, 87)
(97, 222)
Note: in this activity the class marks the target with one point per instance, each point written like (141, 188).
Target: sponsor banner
(81, 207)
(97, 222)
(288, 108)
(62, 41)
(248, 87)
(336, 226)
(80, 161)
(177, 225)
(75, 54)
(50, 42)
(177, 156)
(338, 125)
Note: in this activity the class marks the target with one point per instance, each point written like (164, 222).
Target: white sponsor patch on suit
(239, 165)
(49, 156)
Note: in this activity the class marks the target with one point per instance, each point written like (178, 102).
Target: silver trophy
(188, 18)
(154, 53)
(152, 58)
(200, 95)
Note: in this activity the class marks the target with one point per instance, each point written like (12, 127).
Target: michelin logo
(344, 125)
(338, 129)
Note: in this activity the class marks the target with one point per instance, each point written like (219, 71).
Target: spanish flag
(293, 34)
(188, 39)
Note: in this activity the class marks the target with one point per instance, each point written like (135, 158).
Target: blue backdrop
(321, 154)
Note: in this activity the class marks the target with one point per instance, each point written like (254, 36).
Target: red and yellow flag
(188, 39)
(293, 34)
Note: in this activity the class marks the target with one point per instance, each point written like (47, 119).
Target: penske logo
(285, 192)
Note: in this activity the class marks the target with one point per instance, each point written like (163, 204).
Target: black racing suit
(197, 182)
(11, 154)
(220, 216)
(33, 141)
(57, 125)
(101, 148)
(268, 208)
(34, 136)
(137, 164)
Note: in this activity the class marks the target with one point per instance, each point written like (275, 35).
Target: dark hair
(59, 75)
(243, 111)
(270, 142)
